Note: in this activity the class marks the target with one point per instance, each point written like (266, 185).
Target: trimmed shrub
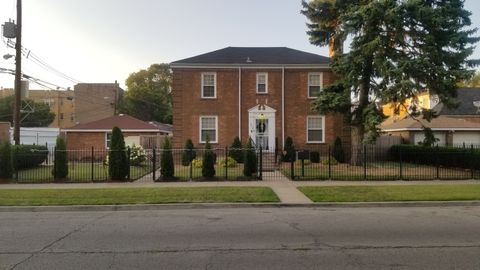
(189, 153)
(117, 156)
(6, 165)
(167, 168)
(325, 161)
(236, 151)
(28, 156)
(137, 155)
(437, 156)
(197, 163)
(289, 150)
(230, 162)
(208, 166)
(337, 150)
(250, 160)
(60, 168)
(315, 157)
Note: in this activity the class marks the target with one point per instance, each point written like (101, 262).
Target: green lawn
(183, 172)
(375, 171)
(392, 193)
(78, 172)
(110, 196)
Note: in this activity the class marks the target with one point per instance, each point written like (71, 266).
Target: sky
(102, 41)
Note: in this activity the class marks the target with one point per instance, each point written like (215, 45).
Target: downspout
(240, 103)
(283, 107)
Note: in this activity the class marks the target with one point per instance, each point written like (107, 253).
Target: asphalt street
(244, 238)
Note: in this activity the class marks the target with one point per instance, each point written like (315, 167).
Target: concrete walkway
(285, 189)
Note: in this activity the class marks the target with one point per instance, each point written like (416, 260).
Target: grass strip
(112, 196)
(392, 193)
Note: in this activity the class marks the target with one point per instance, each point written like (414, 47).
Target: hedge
(28, 156)
(437, 156)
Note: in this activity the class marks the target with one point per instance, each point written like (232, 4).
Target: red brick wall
(188, 105)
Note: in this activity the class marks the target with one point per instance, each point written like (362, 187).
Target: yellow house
(61, 103)
(423, 100)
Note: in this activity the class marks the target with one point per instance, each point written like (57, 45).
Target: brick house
(97, 134)
(262, 93)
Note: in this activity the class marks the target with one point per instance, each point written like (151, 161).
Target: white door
(261, 121)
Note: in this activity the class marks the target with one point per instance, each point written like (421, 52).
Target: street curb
(176, 206)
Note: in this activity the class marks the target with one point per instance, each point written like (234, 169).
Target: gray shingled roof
(257, 55)
(466, 97)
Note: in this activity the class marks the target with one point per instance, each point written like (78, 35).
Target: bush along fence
(399, 162)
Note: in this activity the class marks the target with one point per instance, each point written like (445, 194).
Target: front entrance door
(261, 122)
(261, 138)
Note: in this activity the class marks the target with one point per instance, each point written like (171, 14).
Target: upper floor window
(315, 129)
(315, 81)
(262, 83)
(209, 85)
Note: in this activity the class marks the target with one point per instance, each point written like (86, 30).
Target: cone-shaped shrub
(236, 151)
(167, 169)
(117, 156)
(6, 165)
(60, 167)
(250, 160)
(337, 150)
(189, 153)
(208, 166)
(289, 150)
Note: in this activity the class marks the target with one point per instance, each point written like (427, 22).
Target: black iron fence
(316, 163)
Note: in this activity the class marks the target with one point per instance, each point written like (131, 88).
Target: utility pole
(18, 74)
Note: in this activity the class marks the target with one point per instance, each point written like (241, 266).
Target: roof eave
(238, 65)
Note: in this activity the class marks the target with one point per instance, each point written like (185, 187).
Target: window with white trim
(208, 128)
(315, 129)
(262, 83)
(108, 139)
(209, 85)
(314, 84)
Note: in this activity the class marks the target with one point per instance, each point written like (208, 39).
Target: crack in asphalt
(43, 249)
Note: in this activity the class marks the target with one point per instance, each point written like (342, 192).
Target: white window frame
(323, 128)
(106, 139)
(214, 85)
(200, 128)
(308, 83)
(266, 83)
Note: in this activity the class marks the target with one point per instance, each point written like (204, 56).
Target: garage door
(459, 138)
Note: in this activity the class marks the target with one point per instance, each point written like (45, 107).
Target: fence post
(438, 167)
(191, 170)
(128, 163)
(261, 164)
(364, 162)
(226, 162)
(154, 160)
(92, 165)
(472, 162)
(329, 163)
(54, 163)
(401, 169)
(292, 171)
(46, 146)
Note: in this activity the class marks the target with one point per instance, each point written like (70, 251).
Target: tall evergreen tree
(208, 165)
(236, 151)
(250, 159)
(189, 153)
(167, 169)
(117, 156)
(60, 168)
(398, 49)
(6, 162)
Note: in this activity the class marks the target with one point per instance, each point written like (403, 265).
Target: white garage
(419, 136)
(466, 137)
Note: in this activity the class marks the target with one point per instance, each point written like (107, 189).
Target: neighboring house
(262, 93)
(453, 127)
(4, 132)
(96, 101)
(37, 135)
(97, 134)
(61, 103)
(165, 129)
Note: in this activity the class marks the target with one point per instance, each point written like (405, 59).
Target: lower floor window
(208, 129)
(315, 129)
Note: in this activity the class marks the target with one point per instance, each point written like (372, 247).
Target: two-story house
(264, 93)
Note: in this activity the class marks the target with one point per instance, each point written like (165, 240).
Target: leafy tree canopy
(398, 48)
(148, 94)
(40, 115)
(472, 82)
